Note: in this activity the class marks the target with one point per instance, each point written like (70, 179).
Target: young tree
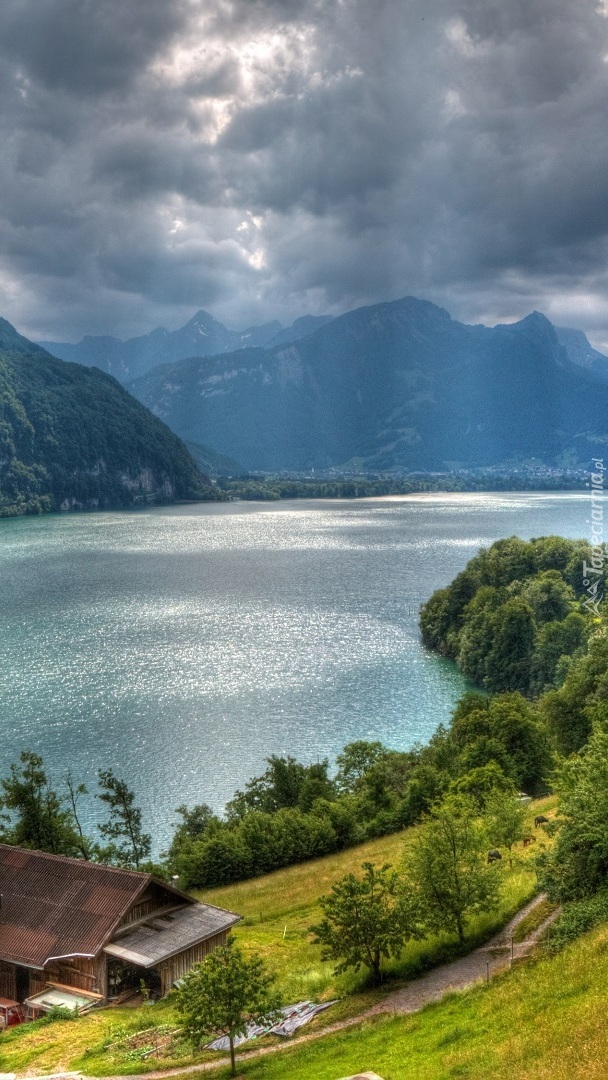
(366, 919)
(447, 865)
(224, 994)
(37, 817)
(134, 845)
(505, 819)
(75, 792)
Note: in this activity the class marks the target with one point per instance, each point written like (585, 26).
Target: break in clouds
(266, 158)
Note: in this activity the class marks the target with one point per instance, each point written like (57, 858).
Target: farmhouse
(79, 933)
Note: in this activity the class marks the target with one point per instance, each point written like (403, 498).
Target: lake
(182, 645)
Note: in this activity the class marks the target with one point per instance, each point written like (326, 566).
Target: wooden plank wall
(8, 981)
(177, 966)
(153, 899)
(78, 972)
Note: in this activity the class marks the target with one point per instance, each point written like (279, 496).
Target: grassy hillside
(541, 1021)
(277, 910)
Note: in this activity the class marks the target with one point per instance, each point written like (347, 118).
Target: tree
(75, 792)
(549, 596)
(286, 783)
(578, 863)
(483, 784)
(556, 641)
(42, 821)
(567, 710)
(505, 817)
(354, 761)
(224, 994)
(366, 919)
(134, 845)
(507, 730)
(508, 664)
(447, 865)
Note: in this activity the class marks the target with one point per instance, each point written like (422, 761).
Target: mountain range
(71, 437)
(201, 336)
(399, 385)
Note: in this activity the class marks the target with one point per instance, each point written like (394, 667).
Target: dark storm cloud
(87, 46)
(267, 157)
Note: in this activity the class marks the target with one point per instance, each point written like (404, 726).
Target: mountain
(214, 464)
(201, 336)
(301, 328)
(398, 385)
(580, 351)
(72, 438)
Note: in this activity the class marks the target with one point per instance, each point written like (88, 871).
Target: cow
(540, 820)
(528, 840)
(494, 855)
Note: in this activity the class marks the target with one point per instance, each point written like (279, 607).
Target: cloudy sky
(265, 158)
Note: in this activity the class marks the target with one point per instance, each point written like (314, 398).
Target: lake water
(180, 646)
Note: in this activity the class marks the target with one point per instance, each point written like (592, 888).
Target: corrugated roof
(54, 906)
(164, 936)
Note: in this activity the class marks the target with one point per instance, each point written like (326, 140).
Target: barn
(79, 933)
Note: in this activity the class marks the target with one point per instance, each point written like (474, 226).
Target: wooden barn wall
(8, 982)
(79, 972)
(154, 898)
(177, 966)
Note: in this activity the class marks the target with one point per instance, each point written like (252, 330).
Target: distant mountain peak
(203, 319)
(581, 352)
(201, 336)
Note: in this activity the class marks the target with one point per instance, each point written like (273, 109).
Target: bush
(577, 918)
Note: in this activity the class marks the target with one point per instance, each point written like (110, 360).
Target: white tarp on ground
(295, 1016)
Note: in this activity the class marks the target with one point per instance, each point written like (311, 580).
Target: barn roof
(164, 936)
(52, 906)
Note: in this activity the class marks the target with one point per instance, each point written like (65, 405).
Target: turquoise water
(181, 646)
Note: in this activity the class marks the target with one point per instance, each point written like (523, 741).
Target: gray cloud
(268, 157)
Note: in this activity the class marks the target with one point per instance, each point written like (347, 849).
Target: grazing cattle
(494, 855)
(540, 820)
(528, 840)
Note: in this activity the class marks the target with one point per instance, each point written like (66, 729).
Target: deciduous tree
(447, 865)
(366, 920)
(129, 844)
(224, 994)
(37, 815)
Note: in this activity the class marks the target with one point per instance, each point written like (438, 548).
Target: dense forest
(513, 619)
(72, 437)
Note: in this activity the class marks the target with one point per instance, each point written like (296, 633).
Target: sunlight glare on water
(181, 646)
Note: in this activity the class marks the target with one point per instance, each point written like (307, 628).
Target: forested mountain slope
(73, 438)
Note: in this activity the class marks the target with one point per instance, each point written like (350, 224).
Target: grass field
(543, 1020)
(277, 910)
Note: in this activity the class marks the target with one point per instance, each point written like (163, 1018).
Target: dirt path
(478, 966)
(475, 967)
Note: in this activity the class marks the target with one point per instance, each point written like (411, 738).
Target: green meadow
(277, 910)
